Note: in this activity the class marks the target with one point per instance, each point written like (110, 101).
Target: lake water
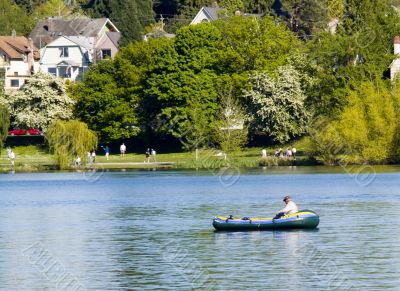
(151, 230)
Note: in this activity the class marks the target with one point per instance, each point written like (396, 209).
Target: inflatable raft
(304, 219)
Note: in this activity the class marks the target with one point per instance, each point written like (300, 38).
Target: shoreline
(353, 170)
(34, 159)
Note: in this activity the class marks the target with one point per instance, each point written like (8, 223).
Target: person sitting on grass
(290, 208)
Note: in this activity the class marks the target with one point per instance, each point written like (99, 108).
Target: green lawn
(36, 158)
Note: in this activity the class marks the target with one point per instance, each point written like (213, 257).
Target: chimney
(13, 33)
(31, 58)
(396, 44)
(50, 24)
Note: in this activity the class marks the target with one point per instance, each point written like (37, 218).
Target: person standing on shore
(147, 160)
(280, 153)
(288, 153)
(263, 153)
(93, 156)
(153, 154)
(294, 152)
(11, 156)
(122, 149)
(107, 149)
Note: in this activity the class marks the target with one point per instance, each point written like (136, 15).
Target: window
(106, 53)
(64, 72)
(52, 71)
(15, 73)
(64, 52)
(14, 83)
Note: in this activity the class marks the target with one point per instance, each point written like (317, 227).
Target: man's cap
(287, 198)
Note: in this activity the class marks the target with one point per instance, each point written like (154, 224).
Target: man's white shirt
(290, 208)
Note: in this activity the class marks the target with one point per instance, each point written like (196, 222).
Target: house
(206, 14)
(18, 60)
(395, 65)
(100, 33)
(66, 57)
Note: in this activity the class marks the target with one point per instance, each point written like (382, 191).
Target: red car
(17, 132)
(34, 131)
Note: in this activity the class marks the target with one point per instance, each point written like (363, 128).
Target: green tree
(4, 124)
(130, 16)
(191, 7)
(29, 5)
(192, 118)
(40, 101)
(335, 8)
(252, 44)
(258, 6)
(231, 130)
(365, 130)
(51, 8)
(12, 17)
(306, 17)
(107, 102)
(181, 84)
(69, 139)
(276, 105)
(231, 6)
(361, 50)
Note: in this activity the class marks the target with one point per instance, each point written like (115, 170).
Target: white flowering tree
(40, 101)
(276, 105)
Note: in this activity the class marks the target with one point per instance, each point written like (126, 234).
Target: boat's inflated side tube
(304, 219)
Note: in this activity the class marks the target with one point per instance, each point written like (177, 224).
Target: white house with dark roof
(101, 34)
(206, 14)
(18, 60)
(66, 57)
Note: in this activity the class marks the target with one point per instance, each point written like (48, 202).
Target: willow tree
(70, 139)
(4, 124)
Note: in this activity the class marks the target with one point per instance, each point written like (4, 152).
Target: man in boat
(290, 208)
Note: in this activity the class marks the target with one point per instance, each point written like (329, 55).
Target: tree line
(135, 17)
(282, 76)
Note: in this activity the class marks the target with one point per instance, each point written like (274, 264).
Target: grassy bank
(35, 158)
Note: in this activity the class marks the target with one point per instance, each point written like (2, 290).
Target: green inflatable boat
(304, 219)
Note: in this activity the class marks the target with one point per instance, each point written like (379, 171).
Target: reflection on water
(152, 231)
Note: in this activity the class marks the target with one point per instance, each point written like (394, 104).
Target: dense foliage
(176, 87)
(366, 130)
(13, 17)
(130, 16)
(326, 61)
(40, 101)
(277, 104)
(107, 102)
(4, 124)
